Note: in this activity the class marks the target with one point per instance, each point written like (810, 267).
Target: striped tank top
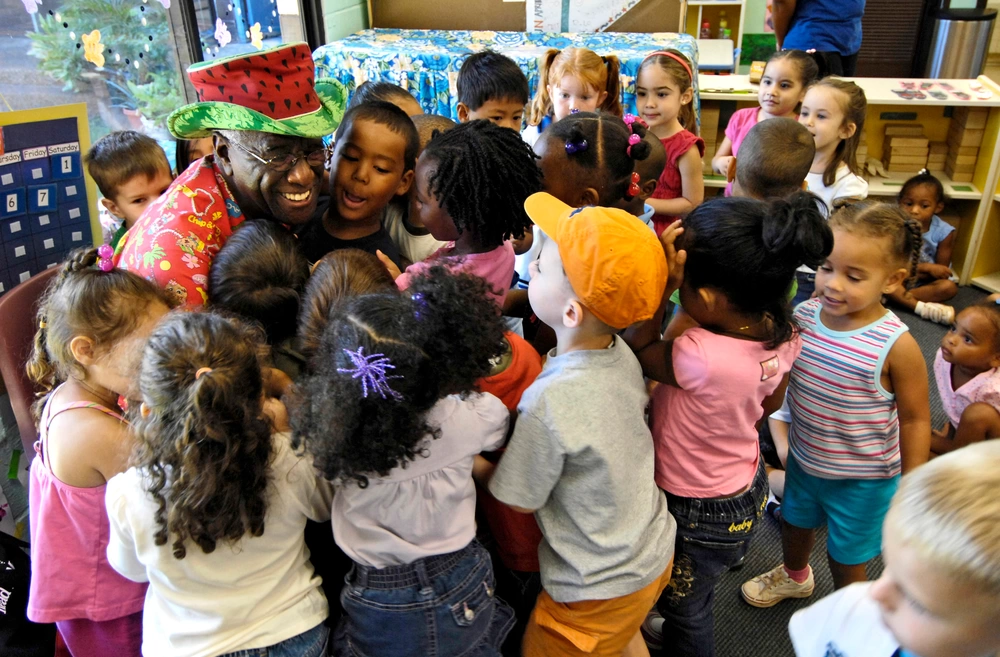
(844, 423)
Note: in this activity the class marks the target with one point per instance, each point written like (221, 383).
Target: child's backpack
(19, 637)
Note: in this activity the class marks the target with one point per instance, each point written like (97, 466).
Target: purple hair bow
(371, 369)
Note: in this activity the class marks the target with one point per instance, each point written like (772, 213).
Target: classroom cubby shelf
(977, 214)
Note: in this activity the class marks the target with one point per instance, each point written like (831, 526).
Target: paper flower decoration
(222, 34)
(93, 49)
(31, 6)
(256, 37)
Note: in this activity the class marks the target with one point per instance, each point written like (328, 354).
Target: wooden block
(958, 177)
(904, 168)
(904, 129)
(909, 152)
(936, 163)
(906, 142)
(904, 159)
(971, 118)
(963, 150)
(937, 147)
(962, 159)
(963, 167)
(959, 136)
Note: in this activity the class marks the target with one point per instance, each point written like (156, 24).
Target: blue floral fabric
(426, 62)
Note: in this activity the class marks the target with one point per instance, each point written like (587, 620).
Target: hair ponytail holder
(633, 187)
(105, 253)
(633, 139)
(573, 147)
(200, 371)
(673, 56)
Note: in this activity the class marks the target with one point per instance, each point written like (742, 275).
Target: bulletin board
(47, 202)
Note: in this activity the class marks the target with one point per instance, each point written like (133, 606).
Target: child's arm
(908, 375)
(779, 436)
(390, 266)
(941, 267)
(775, 400)
(692, 187)
(654, 353)
(723, 154)
(947, 245)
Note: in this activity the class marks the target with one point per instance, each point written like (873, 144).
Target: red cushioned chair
(17, 330)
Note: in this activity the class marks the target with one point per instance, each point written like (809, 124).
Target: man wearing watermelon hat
(267, 114)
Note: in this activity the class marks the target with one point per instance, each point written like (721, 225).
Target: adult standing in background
(832, 28)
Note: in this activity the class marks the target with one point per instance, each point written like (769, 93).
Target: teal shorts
(852, 510)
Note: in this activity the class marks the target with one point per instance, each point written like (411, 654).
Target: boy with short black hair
(373, 161)
(581, 456)
(939, 595)
(779, 155)
(132, 171)
(492, 86)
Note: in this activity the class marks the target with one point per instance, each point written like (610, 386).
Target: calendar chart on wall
(46, 200)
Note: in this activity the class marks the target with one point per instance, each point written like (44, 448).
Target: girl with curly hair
(470, 186)
(213, 512)
(391, 417)
(92, 324)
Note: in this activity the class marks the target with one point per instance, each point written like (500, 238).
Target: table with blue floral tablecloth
(426, 62)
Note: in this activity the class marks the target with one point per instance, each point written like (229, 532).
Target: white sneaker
(774, 586)
(936, 312)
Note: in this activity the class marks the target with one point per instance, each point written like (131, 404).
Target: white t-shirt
(427, 508)
(251, 594)
(847, 623)
(414, 248)
(530, 135)
(845, 185)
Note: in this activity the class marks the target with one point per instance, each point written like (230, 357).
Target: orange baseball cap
(613, 260)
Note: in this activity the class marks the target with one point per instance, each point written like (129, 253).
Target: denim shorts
(852, 509)
(311, 643)
(440, 606)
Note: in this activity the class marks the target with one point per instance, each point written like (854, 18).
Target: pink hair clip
(105, 253)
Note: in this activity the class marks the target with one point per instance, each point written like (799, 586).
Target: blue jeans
(434, 607)
(807, 285)
(712, 536)
(311, 643)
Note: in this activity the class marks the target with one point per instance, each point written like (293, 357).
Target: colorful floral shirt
(175, 240)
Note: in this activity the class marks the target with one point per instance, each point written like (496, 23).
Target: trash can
(959, 42)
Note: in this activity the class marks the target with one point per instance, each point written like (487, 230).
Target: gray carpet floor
(745, 631)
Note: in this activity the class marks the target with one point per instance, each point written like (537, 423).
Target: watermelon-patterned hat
(269, 91)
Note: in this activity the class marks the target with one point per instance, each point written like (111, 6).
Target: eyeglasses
(284, 163)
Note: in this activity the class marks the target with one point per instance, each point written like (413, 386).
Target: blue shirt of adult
(826, 26)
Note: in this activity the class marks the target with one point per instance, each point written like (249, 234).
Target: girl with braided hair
(92, 323)
(857, 395)
(471, 183)
(213, 512)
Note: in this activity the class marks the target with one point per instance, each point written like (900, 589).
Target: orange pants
(590, 627)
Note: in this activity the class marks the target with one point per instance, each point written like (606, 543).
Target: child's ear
(601, 97)
(144, 411)
(404, 183)
(112, 207)
(573, 314)
(939, 208)
(82, 349)
(647, 188)
(731, 171)
(588, 196)
(687, 96)
(221, 149)
(463, 113)
(895, 280)
(848, 129)
(708, 297)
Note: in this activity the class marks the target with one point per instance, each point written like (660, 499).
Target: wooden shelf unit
(977, 248)
(696, 12)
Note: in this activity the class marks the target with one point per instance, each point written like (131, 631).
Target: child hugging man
(581, 456)
(493, 87)
(132, 171)
(939, 595)
(373, 161)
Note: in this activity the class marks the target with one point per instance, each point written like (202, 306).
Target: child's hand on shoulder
(276, 412)
(675, 258)
(276, 382)
(389, 265)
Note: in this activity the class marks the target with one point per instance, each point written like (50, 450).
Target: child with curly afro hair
(391, 417)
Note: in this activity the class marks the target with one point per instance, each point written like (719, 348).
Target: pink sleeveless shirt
(71, 577)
